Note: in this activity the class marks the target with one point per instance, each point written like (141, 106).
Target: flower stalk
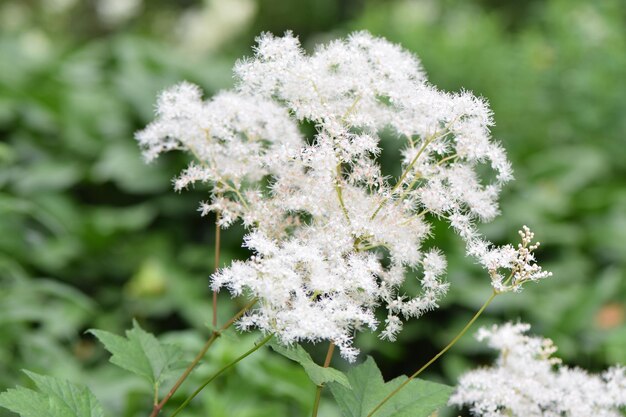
(256, 347)
(437, 356)
(318, 391)
(216, 264)
(158, 406)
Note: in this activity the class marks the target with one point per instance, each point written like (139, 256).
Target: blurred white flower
(58, 6)
(115, 12)
(527, 381)
(205, 29)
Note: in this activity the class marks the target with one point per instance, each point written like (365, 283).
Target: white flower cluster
(233, 136)
(333, 238)
(528, 382)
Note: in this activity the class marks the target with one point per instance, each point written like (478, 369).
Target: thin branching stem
(220, 181)
(418, 177)
(338, 189)
(371, 246)
(403, 176)
(214, 335)
(318, 391)
(430, 139)
(434, 358)
(351, 108)
(256, 347)
(156, 395)
(217, 264)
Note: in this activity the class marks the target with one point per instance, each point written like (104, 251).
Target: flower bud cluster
(520, 262)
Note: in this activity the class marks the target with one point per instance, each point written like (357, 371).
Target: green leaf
(140, 352)
(24, 402)
(418, 399)
(318, 374)
(57, 398)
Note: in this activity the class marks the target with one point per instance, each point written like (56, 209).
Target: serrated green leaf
(318, 374)
(57, 398)
(140, 352)
(418, 399)
(24, 402)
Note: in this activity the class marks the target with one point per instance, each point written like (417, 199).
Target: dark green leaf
(418, 399)
(57, 398)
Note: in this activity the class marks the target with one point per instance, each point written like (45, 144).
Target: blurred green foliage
(91, 237)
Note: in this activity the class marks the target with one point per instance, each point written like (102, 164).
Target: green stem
(340, 194)
(406, 172)
(417, 177)
(221, 181)
(237, 193)
(371, 246)
(214, 335)
(220, 372)
(351, 108)
(217, 264)
(430, 362)
(156, 394)
(429, 140)
(318, 391)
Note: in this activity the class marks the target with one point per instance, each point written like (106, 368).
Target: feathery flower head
(333, 238)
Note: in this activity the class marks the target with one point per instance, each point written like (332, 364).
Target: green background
(92, 237)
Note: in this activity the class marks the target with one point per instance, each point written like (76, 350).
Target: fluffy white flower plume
(332, 238)
(233, 137)
(314, 289)
(527, 381)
